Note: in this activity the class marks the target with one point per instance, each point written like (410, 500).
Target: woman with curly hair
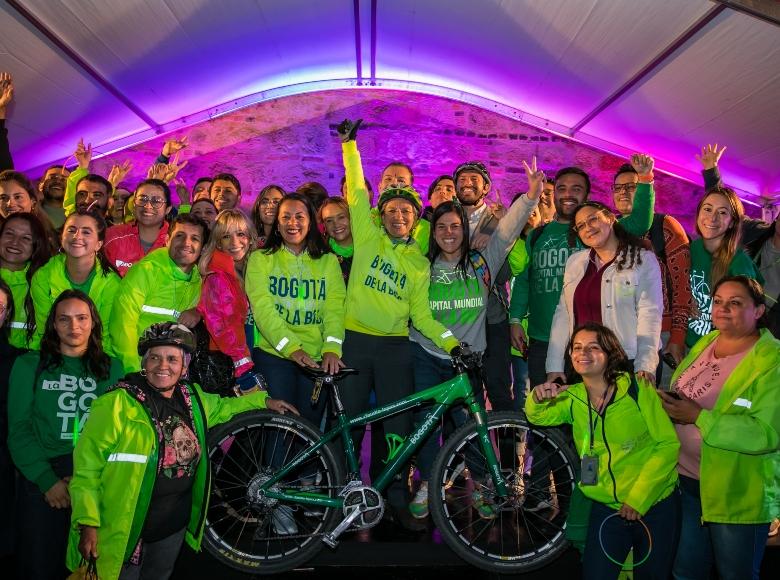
(614, 282)
(49, 399)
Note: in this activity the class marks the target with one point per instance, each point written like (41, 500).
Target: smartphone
(669, 360)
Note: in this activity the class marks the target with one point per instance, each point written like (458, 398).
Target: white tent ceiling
(662, 76)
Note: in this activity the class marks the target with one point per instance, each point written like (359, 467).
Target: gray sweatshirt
(460, 302)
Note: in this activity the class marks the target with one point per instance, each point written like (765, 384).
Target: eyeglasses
(591, 222)
(155, 202)
(267, 202)
(626, 187)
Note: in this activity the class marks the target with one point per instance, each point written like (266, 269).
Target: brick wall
(293, 140)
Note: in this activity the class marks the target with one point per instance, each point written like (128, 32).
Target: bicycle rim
(521, 532)
(256, 534)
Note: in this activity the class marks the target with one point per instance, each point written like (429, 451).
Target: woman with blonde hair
(715, 254)
(223, 302)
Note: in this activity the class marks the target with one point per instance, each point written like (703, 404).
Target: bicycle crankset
(363, 508)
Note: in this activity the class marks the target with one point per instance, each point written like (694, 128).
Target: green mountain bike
(281, 489)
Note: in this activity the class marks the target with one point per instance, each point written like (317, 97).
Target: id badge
(589, 470)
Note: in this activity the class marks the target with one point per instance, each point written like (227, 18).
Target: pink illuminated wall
(293, 140)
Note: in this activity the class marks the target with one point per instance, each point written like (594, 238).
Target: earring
(142, 372)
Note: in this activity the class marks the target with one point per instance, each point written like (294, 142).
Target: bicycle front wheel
(260, 535)
(520, 532)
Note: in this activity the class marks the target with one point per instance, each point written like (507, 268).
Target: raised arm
(363, 227)
(511, 225)
(83, 155)
(6, 95)
(641, 218)
(709, 157)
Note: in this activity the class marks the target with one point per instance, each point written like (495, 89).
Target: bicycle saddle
(321, 374)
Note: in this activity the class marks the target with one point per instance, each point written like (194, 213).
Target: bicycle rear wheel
(518, 533)
(256, 534)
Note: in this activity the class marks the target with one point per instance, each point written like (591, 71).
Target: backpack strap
(482, 269)
(535, 235)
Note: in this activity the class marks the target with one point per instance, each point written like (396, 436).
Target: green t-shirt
(44, 414)
(701, 265)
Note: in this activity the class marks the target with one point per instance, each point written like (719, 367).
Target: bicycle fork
(489, 452)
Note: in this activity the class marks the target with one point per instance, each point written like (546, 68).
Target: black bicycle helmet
(400, 192)
(167, 334)
(473, 166)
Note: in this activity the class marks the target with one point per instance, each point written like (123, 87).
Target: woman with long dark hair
(264, 211)
(17, 195)
(297, 295)
(23, 251)
(715, 254)
(629, 452)
(81, 265)
(48, 404)
(461, 283)
(614, 282)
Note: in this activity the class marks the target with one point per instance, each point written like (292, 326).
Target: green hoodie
(154, 290)
(298, 300)
(739, 469)
(17, 281)
(389, 280)
(52, 279)
(115, 467)
(635, 442)
(44, 412)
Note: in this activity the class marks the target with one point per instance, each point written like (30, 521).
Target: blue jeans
(519, 381)
(619, 536)
(287, 381)
(736, 550)
(430, 371)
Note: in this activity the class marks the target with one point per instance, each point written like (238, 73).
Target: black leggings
(385, 365)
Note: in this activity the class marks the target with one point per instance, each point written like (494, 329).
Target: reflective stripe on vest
(161, 311)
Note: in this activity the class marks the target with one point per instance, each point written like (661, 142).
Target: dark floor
(388, 552)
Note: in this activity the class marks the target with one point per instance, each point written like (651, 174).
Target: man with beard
(163, 286)
(472, 184)
(52, 188)
(537, 289)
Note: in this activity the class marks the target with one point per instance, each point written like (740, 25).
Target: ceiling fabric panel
(722, 87)
(55, 102)
(556, 59)
(176, 57)
(551, 64)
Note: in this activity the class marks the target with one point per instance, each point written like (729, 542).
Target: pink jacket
(224, 307)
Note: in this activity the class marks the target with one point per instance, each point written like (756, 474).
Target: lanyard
(591, 422)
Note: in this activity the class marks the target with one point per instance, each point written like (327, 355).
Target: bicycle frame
(444, 395)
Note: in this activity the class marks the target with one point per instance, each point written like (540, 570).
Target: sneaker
(485, 508)
(419, 505)
(283, 521)
(534, 505)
